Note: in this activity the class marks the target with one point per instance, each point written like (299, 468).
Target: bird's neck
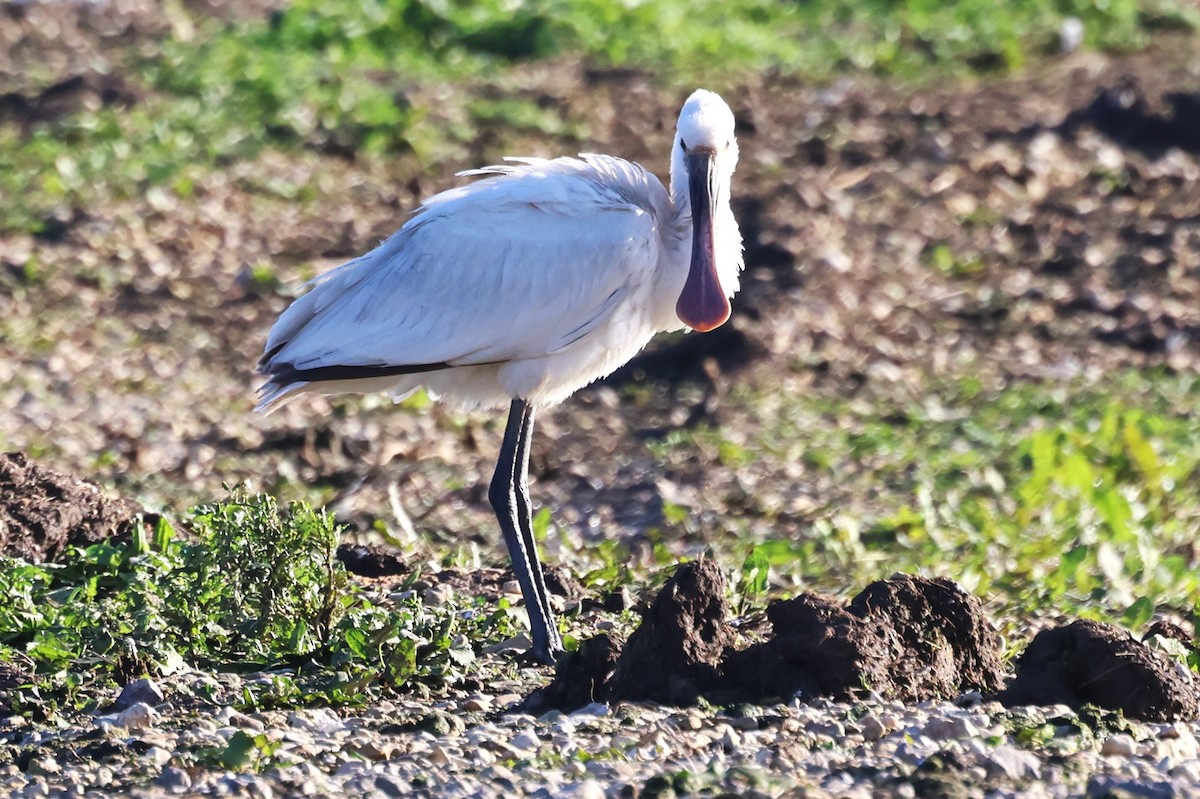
(681, 200)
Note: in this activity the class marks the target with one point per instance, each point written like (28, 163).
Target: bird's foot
(546, 651)
(539, 657)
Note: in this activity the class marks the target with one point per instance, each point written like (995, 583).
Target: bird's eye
(683, 144)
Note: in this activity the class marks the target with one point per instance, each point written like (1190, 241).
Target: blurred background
(966, 342)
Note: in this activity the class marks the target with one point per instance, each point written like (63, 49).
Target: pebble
(872, 728)
(174, 780)
(527, 741)
(137, 716)
(392, 787)
(1120, 745)
(44, 767)
(602, 751)
(1179, 747)
(588, 789)
(478, 704)
(950, 728)
(1014, 763)
(228, 717)
(145, 691)
(437, 596)
(157, 757)
(316, 720)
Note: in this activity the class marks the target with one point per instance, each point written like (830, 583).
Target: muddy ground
(906, 638)
(1038, 227)
(1063, 208)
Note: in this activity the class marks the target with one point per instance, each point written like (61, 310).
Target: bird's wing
(515, 266)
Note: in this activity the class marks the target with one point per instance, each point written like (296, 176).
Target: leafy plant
(259, 588)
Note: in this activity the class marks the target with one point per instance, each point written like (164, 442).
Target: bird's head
(702, 164)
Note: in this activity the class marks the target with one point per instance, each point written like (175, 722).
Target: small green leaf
(1137, 614)
(755, 573)
(237, 752)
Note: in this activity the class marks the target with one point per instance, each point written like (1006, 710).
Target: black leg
(509, 494)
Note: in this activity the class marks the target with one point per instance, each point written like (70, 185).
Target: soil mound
(904, 638)
(676, 652)
(42, 511)
(1091, 663)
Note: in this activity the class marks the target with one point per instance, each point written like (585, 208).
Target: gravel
(866, 749)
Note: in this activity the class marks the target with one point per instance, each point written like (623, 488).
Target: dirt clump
(948, 643)
(905, 638)
(42, 511)
(365, 561)
(676, 651)
(582, 677)
(1092, 663)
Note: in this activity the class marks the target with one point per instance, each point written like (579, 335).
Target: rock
(439, 722)
(44, 767)
(1120, 745)
(872, 728)
(588, 789)
(526, 741)
(593, 709)
(478, 704)
(157, 757)
(144, 690)
(1012, 762)
(391, 786)
(372, 749)
(321, 721)
(229, 717)
(1178, 747)
(515, 645)
(949, 728)
(1120, 788)
(438, 596)
(137, 717)
(174, 780)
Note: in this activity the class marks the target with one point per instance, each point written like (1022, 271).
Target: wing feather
(519, 265)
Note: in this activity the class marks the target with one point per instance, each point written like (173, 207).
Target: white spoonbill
(520, 289)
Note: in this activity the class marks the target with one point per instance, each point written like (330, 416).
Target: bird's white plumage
(529, 283)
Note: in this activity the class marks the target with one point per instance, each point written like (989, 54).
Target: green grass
(1042, 498)
(338, 76)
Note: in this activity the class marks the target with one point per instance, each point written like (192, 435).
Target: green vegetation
(259, 589)
(339, 77)
(1041, 497)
